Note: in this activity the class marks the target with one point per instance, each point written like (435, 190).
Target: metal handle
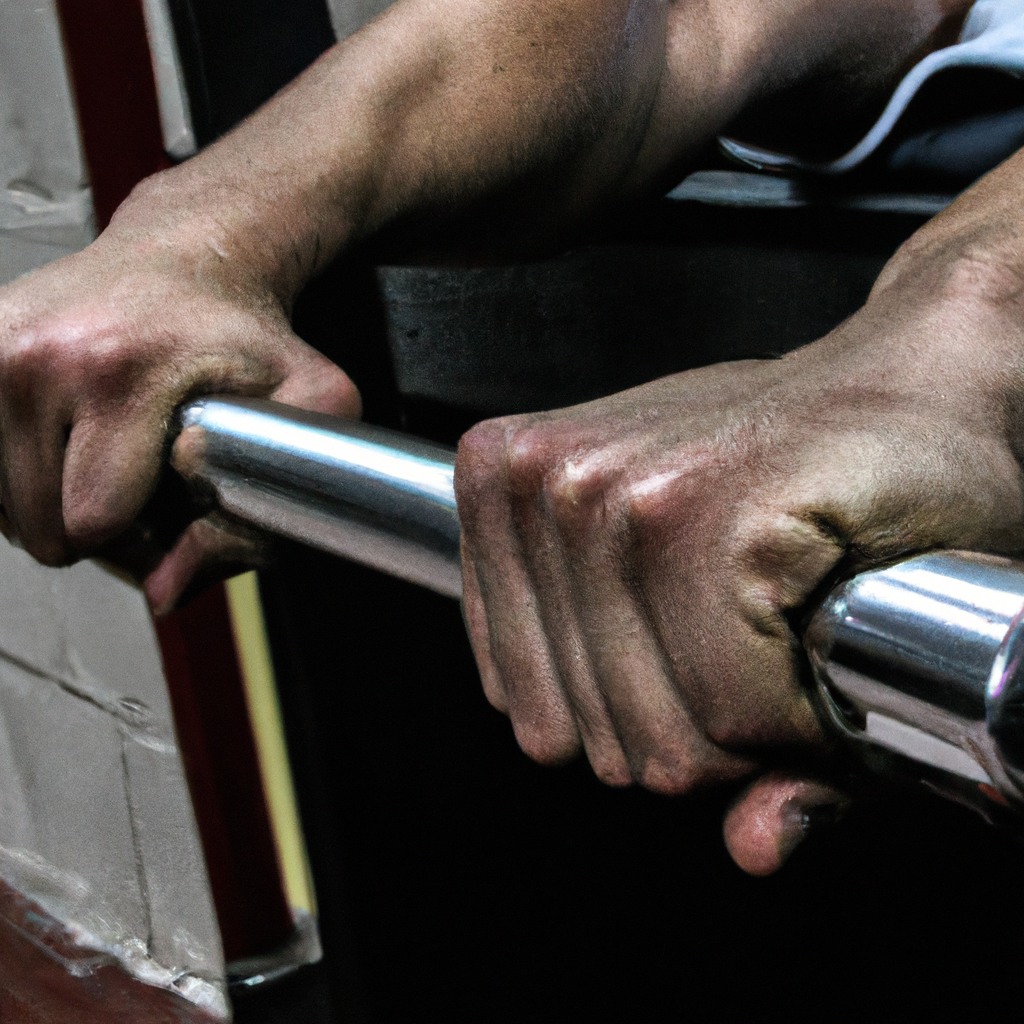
(373, 495)
(922, 660)
(918, 663)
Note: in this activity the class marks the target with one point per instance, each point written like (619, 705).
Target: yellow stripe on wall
(250, 633)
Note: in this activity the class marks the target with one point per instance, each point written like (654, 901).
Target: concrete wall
(96, 824)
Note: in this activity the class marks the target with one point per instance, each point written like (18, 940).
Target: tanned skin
(630, 565)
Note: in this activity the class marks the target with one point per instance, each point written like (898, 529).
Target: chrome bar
(372, 495)
(921, 660)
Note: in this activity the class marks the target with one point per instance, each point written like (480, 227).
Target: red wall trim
(220, 757)
(112, 76)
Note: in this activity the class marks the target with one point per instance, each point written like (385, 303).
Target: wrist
(942, 335)
(234, 233)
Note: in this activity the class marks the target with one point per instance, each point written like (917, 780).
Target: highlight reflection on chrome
(362, 492)
(919, 662)
(921, 659)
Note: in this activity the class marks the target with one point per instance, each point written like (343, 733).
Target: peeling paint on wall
(46, 977)
(96, 824)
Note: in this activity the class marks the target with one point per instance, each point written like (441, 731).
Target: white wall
(45, 209)
(96, 824)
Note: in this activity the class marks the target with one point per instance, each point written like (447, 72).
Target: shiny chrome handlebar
(917, 665)
(373, 495)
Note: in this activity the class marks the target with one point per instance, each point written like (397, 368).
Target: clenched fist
(635, 567)
(96, 352)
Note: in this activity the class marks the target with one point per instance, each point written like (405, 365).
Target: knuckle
(109, 363)
(25, 355)
(481, 475)
(530, 455)
(583, 492)
(477, 462)
(92, 349)
(343, 397)
(649, 506)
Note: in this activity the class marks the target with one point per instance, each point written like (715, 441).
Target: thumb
(217, 546)
(774, 815)
(318, 385)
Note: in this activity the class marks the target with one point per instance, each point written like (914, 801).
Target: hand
(97, 351)
(634, 567)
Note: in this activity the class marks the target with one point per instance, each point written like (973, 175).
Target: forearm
(949, 306)
(436, 109)
(503, 120)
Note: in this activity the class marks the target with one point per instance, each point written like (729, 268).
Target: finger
(216, 548)
(665, 748)
(541, 716)
(317, 384)
(111, 467)
(33, 462)
(550, 572)
(115, 450)
(723, 632)
(210, 549)
(475, 616)
(774, 815)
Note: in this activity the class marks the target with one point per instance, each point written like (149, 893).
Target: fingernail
(795, 826)
(822, 816)
(799, 820)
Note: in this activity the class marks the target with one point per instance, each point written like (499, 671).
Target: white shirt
(992, 37)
